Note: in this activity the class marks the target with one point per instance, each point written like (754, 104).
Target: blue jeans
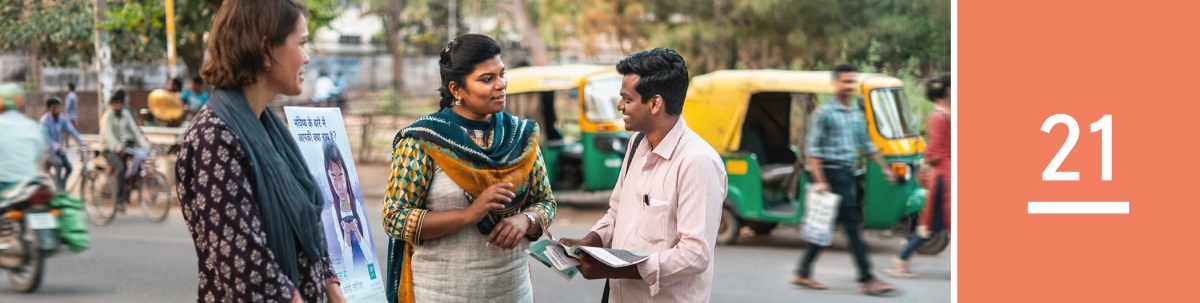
(915, 241)
(60, 169)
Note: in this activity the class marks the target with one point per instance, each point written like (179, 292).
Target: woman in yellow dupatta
(468, 189)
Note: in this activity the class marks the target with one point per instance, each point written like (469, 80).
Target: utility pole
(171, 39)
(104, 70)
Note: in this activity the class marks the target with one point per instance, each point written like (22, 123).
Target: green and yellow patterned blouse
(412, 172)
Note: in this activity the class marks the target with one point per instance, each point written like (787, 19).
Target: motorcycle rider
(24, 140)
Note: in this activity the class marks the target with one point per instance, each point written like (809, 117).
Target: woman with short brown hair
(249, 201)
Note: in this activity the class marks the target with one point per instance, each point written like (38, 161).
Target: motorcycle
(28, 232)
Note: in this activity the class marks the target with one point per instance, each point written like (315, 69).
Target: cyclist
(57, 124)
(121, 138)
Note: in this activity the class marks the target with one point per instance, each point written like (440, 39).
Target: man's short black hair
(71, 85)
(197, 80)
(52, 102)
(843, 68)
(662, 73)
(117, 97)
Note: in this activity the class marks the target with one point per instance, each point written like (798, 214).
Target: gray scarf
(286, 194)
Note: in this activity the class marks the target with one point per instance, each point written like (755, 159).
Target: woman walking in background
(935, 176)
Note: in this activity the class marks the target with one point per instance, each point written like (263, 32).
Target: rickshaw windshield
(600, 102)
(894, 117)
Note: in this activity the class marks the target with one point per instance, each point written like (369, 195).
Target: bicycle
(86, 172)
(153, 191)
(75, 181)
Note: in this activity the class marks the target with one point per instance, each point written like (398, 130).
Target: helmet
(11, 95)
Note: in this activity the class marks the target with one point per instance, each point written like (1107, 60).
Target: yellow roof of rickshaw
(551, 78)
(769, 80)
(717, 102)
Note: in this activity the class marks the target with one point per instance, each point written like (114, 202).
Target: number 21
(1104, 125)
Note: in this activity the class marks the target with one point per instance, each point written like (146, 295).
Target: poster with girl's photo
(321, 135)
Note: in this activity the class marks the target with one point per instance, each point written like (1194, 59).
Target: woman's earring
(458, 102)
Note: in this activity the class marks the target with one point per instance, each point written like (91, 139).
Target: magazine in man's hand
(565, 258)
(609, 256)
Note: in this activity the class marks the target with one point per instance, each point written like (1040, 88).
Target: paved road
(133, 260)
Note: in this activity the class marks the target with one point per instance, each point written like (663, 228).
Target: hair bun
(444, 57)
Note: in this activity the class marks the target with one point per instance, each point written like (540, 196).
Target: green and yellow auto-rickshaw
(583, 134)
(756, 120)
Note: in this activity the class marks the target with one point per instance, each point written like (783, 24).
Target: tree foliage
(60, 32)
(720, 34)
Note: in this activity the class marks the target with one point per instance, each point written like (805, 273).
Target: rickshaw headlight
(901, 169)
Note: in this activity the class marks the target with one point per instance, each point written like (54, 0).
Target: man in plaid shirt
(837, 136)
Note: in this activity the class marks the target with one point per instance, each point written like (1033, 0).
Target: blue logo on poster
(371, 270)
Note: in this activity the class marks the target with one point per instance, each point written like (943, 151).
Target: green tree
(416, 27)
(140, 33)
(391, 13)
(520, 10)
(60, 32)
(720, 34)
(589, 21)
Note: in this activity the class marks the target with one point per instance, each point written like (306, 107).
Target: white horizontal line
(1079, 207)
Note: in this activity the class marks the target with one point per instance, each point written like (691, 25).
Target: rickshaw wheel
(935, 244)
(731, 226)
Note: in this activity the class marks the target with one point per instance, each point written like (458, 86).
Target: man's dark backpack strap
(637, 140)
(604, 298)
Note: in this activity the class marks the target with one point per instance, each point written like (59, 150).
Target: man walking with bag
(838, 134)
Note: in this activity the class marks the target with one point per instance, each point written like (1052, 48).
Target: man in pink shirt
(667, 202)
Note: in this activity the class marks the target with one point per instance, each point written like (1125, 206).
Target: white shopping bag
(820, 212)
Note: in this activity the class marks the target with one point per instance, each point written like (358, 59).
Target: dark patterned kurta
(213, 173)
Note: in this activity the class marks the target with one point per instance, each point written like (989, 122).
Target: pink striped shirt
(683, 179)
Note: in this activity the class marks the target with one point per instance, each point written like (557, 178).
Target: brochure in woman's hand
(553, 256)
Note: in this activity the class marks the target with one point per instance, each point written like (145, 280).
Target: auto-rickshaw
(583, 134)
(757, 120)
